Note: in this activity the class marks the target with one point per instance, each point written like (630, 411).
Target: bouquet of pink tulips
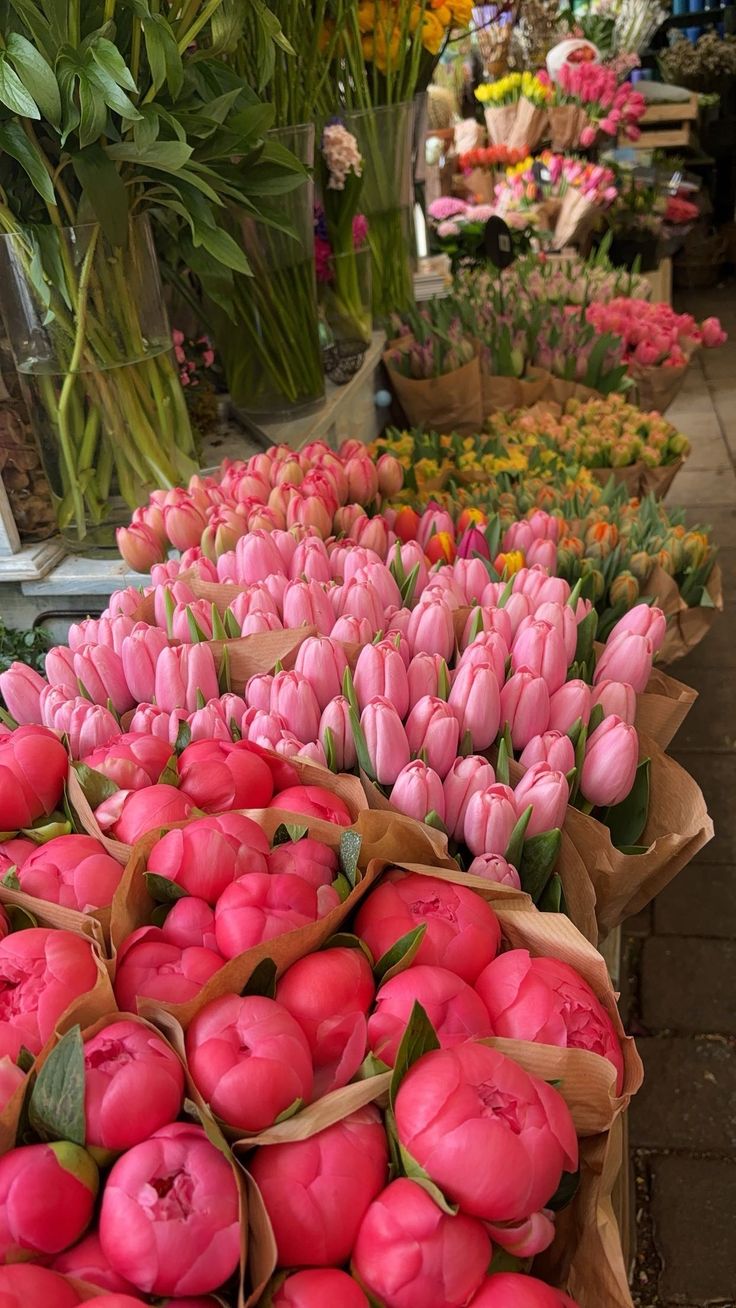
(599, 104)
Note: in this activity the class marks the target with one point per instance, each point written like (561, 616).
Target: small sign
(497, 242)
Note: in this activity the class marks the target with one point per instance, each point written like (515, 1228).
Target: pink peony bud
(133, 762)
(386, 740)
(318, 1287)
(495, 868)
(208, 854)
(409, 1253)
(130, 814)
(644, 621)
(540, 648)
(336, 735)
(510, 1289)
(547, 791)
(261, 906)
(610, 763)
(190, 922)
(456, 1105)
(490, 817)
(466, 777)
(476, 700)
(627, 657)
(20, 687)
(41, 972)
(551, 747)
(67, 1178)
(22, 1285)
(616, 697)
(73, 871)
(329, 994)
(127, 1063)
(169, 1221)
(570, 702)
(433, 730)
(322, 662)
(314, 802)
(85, 1261)
(525, 707)
(452, 1006)
(150, 967)
(217, 775)
(462, 931)
(33, 767)
(418, 791)
(249, 1059)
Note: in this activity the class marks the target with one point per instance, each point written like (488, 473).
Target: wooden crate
(666, 126)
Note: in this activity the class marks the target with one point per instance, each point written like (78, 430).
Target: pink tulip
(409, 1253)
(562, 618)
(546, 1000)
(200, 611)
(130, 814)
(255, 599)
(616, 697)
(261, 906)
(452, 1006)
(169, 1221)
(484, 621)
(547, 791)
(570, 702)
(316, 1287)
(517, 607)
(434, 520)
(456, 1105)
(293, 698)
(206, 724)
(488, 650)
(22, 1285)
(20, 687)
(390, 475)
(322, 662)
(352, 631)
(184, 524)
(139, 546)
(165, 596)
(150, 967)
(362, 478)
(423, 676)
(128, 1064)
(249, 1059)
(63, 1179)
(217, 775)
(329, 994)
(311, 561)
(360, 599)
(644, 621)
(476, 701)
(258, 691)
(85, 1261)
(11, 1079)
(552, 747)
(512, 1290)
(317, 1191)
(306, 603)
(418, 792)
(313, 802)
(190, 922)
(183, 673)
(336, 720)
(380, 671)
(208, 854)
(86, 726)
(33, 767)
(430, 629)
(495, 868)
(627, 657)
(103, 631)
(525, 706)
(309, 510)
(540, 648)
(490, 817)
(123, 601)
(462, 931)
(433, 730)
(466, 777)
(41, 972)
(610, 763)
(386, 740)
(133, 761)
(73, 871)
(372, 533)
(59, 666)
(542, 553)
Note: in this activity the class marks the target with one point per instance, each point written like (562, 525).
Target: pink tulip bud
(155, 722)
(249, 1059)
(86, 725)
(517, 607)
(542, 552)
(476, 701)
(293, 698)
(627, 657)
(452, 1006)
(200, 611)
(490, 817)
(190, 922)
(462, 931)
(123, 601)
(553, 748)
(329, 995)
(433, 521)
(183, 672)
(322, 662)
(258, 691)
(72, 871)
(386, 740)
(360, 599)
(430, 629)
(538, 647)
(139, 655)
(59, 665)
(433, 730)
(128, 1063)
(495, 868)
(546, 1000)
(129, 814)
(466, 778)
(644, 621)
(103, 631)
(139, 546)
(376, 574)
(489, 649)
(217, 775)
(85, 1261)
(610, 763)
(43, 971)
(20, 687)
(418, 791)
(568, 704)
(372, 533)
(525, 707)
(512, 1290)
(390, 475)
(208, 854)
(167, 596)
(67, 1178)
(404, 1228)
(562, 618)
(352, 631)
(423, 676)
(347, 518)
(473, 543)
(362, 479)
(184, 524)
(454, 1104)
(175, 1196)
(315, 802)
(530, 581)
(316, 1287)
(23, 1285)
(380, 671)
(548, 793)
(256, 555)
(208, 725)
(150, 967)
(339, 745)
(100, 670)
(310, 560)
(616, 697)
(256, 599)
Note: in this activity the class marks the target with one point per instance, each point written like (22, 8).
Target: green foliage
(23, 647)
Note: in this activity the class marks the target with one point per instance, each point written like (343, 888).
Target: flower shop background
(338, 281)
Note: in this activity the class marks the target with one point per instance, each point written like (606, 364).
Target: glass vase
(345, 296)
(92, 346)
(385, 140)
(271, 353)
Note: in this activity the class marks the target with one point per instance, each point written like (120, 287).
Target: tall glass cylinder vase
(91, 342)
(271, 354)
(385, 138)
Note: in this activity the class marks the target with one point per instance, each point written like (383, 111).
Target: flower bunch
(191, 356)
(572, 280)
(323, 247)
(680, 211)
(710, 56)
(598, 433)
(610, 107)
(341, 155)
(512, 88)
(462, 235)
(491, 156)
(390, 29)
(653, 335)
(435, 342)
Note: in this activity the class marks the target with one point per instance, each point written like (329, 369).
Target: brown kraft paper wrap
(566, 122)
(639, 479)
(686, 626)
(529, 125)
(663, 707)
(95, 925)
(501, 393)
(500, 120)
(448, 403)
(577, 214)
(657, 387)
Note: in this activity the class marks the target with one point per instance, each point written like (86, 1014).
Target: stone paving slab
(699, 902)
(688, 1099)
(716, 776)
(688, 986)
(693, 1202)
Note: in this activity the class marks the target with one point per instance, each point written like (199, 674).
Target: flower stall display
(433, 367)
(589, 100)
(568, 192)
(515, 109)
(459, 230)
(572, 279)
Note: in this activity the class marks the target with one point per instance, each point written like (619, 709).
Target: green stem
(69, 380)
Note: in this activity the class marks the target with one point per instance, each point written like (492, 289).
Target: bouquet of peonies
(515, 109)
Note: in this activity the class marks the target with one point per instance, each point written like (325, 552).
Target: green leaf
(407, 590)
(162, 889)
(13, 93)
(169, 156)
(502, 763)
(328, 741)
(346, 940)
(163, 55)
(96, 787)
(25, 1059)
(402, 952)
(371, 1066)
(20, 919)
(37, 76)
(626, 821)
(596, 717)
(10, 880)
(290, 1111)
(538, 858)
(350, 843)
(13, 141)
(361, 748)
(342, 886)
(56, 1109)
(287, 832)
(48, 829)
(552, 899)
(109, 60)
(443, 681)
(565, 1192)
(222, 247)
(183, 738)
(586, 636)
(516, 841)
(417, 1174)
(419, 1038)
(104, 190)
(92, 112)
(262, 980)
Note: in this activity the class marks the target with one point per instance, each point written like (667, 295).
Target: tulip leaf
(419, 1038)
(350, 843)
(262, 980)
(502, 763)
(163, 890)
(235, 732)
(476, 625)
(224, 676)
(493, 537)
(56, 1109)
(200, 700)
(574, 596)
(538, 858)
(7, 719)
(503, 1261)
(232, 626)
(596, 717)
(169, 606)
(586, 637)
(633, 849)
(20, 919)
(342, 886)
(402, 952)
(407, 590)
(218, 626)
(552, 899)
(183, 737)
(361, 748)
(10, 880)
(196, 634)
(507, 590)
(466, 745)
(575, 730)
(25, 1059)
(417, 1174)
(565, 1192)
(396, 566)
(626, 821)
(348, 690)
(443, 681)
(328, 741)
(96, 787)
(288, 833)
(83, 690)
(516, 839)
(433, 819)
